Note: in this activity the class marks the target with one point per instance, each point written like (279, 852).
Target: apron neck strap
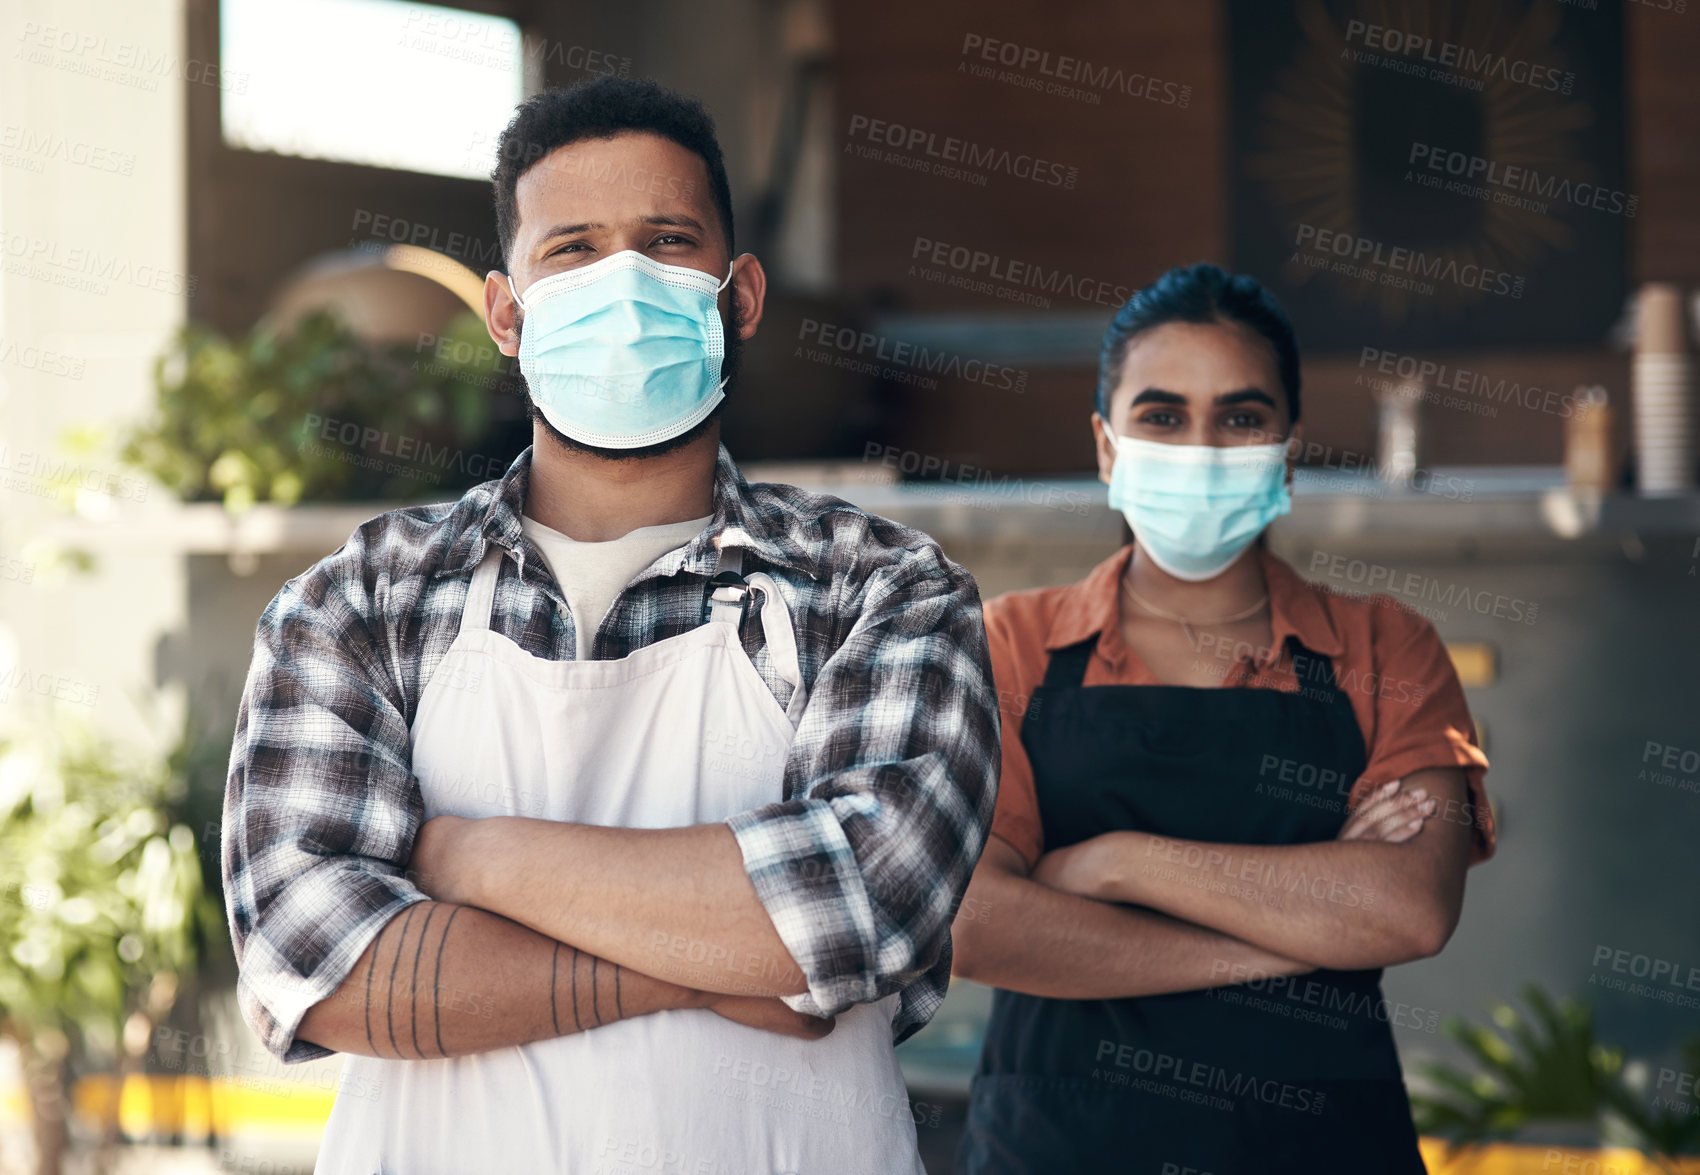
(1067, 666)
(728, 599)
(481, 596)
(728, 593)
(1314, 670)
(781, 642)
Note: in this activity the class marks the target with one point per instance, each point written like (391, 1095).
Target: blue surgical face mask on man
(1194, 508)
(623, 352)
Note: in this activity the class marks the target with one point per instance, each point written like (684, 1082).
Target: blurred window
(416, 87)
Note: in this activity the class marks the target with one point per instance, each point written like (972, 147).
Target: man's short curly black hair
(598, 109)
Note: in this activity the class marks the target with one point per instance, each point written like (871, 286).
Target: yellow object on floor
(192, 1107)
(1520, 1159)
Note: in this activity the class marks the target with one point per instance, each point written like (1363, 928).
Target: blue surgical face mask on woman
(623, 352)
(1194, 508)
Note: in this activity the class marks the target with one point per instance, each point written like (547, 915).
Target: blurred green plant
(103, 907)
(1666, 1125)
(1545, 1067)
(242, 420)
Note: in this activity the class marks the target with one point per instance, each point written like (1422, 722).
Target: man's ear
(501, 312)
(749, 288)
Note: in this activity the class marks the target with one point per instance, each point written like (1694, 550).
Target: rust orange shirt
(1387, 659)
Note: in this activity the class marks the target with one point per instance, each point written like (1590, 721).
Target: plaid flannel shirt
(889, 786)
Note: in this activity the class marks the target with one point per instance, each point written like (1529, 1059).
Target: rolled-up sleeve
(893, 775)
(320, 808)
(1422, 719)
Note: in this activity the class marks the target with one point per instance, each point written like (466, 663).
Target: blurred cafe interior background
(244, 249)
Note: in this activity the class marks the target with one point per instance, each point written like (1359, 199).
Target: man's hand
(1389, 813)
(444, 865)
(439, 864)
(769, 1014)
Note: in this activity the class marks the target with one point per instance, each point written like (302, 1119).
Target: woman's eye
(1159, 419)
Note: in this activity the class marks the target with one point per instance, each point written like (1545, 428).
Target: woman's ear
(1295, 446)
(1105, 443)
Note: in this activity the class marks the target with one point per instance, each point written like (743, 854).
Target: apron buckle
(726, 590)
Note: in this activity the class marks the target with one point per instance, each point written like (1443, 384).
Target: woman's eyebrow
(1245, 396)
(1157, 396)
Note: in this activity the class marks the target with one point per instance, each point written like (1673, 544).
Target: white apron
(681, 732)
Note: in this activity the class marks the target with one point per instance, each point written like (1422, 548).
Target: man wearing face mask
(613, 816)
(1228, 800)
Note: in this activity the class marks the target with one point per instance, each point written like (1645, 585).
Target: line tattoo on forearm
(578, 1025)
(370, 968)
(597, 1012)
(389, 1004)
(554, 961)
(413, 1002)
(436, 980)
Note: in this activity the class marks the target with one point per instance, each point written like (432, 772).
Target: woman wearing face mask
(1229, 798)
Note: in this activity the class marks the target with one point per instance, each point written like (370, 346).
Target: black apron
(1272, 1075)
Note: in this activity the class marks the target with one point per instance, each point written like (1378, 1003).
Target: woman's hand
(1097, 867)
(1077, 869)
(1389, 813)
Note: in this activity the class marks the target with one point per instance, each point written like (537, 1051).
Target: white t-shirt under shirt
(591, 575)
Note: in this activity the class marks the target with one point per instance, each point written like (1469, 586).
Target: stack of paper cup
(1399, 432)
(1663, 389)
